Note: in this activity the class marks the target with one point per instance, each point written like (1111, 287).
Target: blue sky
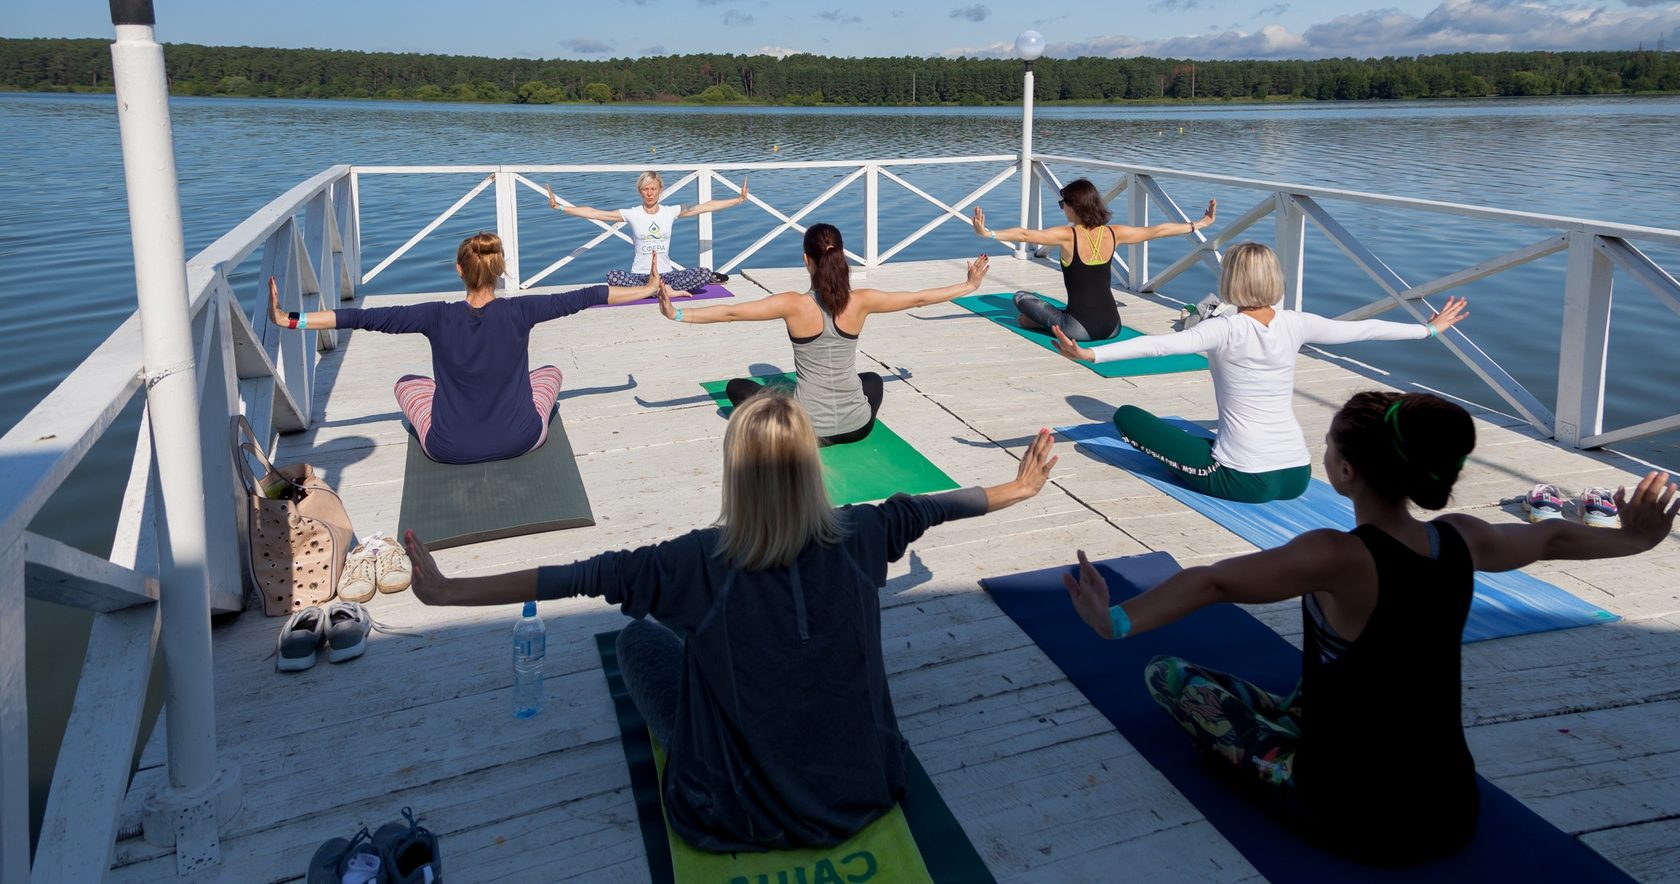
(616, 28)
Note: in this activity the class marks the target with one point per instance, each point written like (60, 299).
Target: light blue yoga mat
(1506, 603)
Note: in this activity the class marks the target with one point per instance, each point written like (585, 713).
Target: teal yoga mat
(1001, 310)
(1506, 603)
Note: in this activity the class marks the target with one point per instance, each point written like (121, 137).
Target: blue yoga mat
(1512, 843)
(1506, 603)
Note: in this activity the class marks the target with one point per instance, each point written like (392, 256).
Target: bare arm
(310, 319)
(774, 307)
(620, 294)
(1317, 561)
(715, 205)
(1646, 519)
(432, 588)
(877, 301)
(609, 215)
(1124, 235)
(1054, 236)
(1030, 476)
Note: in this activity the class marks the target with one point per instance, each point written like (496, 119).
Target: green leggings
(1190, 458)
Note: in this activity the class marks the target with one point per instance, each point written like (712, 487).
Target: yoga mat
(917, 841)
(1001, 310)
(1512, 843)
(709, 293)
(877, 467)
(456, 504)
(1506, 603)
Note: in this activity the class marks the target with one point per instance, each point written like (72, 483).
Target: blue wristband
(1119, 621)
(303, 320)
(1432, 332)
(678, 317)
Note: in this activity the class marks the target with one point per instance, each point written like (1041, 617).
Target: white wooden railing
(310, 241)
(243, 367)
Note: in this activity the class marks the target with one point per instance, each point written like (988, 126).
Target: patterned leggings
(414, 396)
(691, 280)
(1253, 729)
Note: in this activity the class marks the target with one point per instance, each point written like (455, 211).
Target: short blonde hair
(774, 500)
(647, 176)
(1250, 276)
(481, 261)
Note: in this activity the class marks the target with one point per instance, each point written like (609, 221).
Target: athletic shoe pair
(399, 853)
(342, 626)
(1597, 506)
(378, 563)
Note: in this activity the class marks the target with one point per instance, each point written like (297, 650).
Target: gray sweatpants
(650, 657)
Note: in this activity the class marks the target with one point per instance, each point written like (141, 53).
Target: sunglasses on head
(1061, 204)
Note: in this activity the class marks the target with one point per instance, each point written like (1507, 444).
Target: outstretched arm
(1646, 519)
(1198, 339)
(715, 205)
(621, 294)
(311, 319)
(1055, 236)
(1316, 561)
(1322, 330)
(773, 307)
(431, 587)
(1124, 235)
(609, 215)
(877, 301)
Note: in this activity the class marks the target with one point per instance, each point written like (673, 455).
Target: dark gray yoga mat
(456, 504)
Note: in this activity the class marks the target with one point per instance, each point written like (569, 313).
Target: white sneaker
(361, 571)
(391, 564)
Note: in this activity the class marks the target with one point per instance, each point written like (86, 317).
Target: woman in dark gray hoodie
(778, 602)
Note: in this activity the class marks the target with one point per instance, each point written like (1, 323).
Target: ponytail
(481, 260)
(1405, 445)
(831, 276)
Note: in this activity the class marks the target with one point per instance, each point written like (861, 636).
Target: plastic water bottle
(530, 645)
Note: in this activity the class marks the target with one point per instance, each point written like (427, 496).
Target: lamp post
(1029, 46)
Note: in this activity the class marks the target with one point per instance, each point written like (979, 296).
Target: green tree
(600, 93)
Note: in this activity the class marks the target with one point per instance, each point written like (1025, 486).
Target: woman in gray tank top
(824, 324)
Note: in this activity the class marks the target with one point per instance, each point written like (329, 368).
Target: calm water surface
(66, 275)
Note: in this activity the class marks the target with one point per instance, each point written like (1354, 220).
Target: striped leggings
(414, 397)
(692, 279)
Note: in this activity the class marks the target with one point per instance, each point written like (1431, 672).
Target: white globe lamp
(1029, 46)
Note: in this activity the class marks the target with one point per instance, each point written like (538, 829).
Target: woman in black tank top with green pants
(1368, 754)
(1087, 245)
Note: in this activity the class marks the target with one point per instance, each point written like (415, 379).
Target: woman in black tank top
(1087, 245)
(1368, 753)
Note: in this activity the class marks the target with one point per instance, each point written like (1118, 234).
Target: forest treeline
(65, 65)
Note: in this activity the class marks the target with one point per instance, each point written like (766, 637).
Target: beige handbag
(297, 533)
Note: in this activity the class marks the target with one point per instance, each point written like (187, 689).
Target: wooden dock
(1578, 724)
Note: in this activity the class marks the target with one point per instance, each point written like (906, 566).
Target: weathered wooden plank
(61, 573)
(14, 716)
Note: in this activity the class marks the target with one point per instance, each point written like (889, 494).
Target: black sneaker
(337, 858)
(408, 852)
(719, 278)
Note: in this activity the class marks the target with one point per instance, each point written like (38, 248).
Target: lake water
(66, 274)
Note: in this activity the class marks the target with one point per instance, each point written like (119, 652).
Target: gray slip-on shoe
(347, 626)
(302, 634)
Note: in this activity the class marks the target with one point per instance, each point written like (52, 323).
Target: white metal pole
(1026, 153)
(154, 217)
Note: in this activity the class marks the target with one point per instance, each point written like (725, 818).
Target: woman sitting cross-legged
(1368, 754)
(1087, 244)
(824, 324)
(774, 710)
(1260, 453)
(483, 402)
(652, 226)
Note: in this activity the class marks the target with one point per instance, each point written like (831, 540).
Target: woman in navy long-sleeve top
(483, 402)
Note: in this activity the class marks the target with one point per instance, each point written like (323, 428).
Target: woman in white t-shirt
(651, 227)
(1260, 453)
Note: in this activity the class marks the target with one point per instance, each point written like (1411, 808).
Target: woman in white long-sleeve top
(1260, 453)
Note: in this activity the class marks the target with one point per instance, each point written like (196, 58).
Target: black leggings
(740, 389)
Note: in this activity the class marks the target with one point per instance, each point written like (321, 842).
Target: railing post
(1035, 203)
(1021, 251)
(351, 232)
(318, 234)
(1586, 338)
(1137, 254)
(507, 224)
(189, 811)
(871, 215)
(1291, 248)
(14, 718)
(703, 193)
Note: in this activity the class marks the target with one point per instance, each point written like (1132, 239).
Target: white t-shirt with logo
(652, 233)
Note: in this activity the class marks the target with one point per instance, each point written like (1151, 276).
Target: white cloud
(777, 51)
(1453, 26)
(588, 45)
(977, 12)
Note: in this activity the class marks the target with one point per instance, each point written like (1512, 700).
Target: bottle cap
(530, 609)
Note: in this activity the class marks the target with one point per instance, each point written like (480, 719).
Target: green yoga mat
(877, 467)
(456, 504)
(918, 841)
(1001, 310)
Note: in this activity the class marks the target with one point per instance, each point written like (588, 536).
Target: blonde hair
(1250, 276)
(647, 176)
(774, 500)
(481, 261)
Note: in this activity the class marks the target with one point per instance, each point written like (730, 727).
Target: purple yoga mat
(709, 293)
